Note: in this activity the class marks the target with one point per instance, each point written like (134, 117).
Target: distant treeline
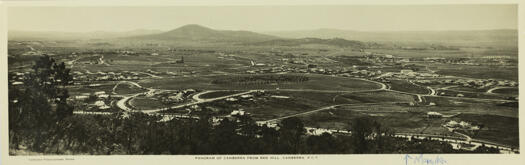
(339, 42)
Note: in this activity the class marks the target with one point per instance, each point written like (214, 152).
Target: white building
(239, 112)
(434, 115)
(246, 96)
(99, 103)
(100, 93)
(103, 96)
(18, 83)
(81, 97)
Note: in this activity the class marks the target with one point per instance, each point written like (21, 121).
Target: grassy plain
(218, 94)
(405, 86)
(316, 82)
(507, 91)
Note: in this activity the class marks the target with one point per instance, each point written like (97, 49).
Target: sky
(266, 18)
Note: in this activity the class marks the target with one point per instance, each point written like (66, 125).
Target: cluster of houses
(17, 78)
(225, 56)
(105, 76)
(270, 69)
(119, 76)
(126, 52)
(309, 130)
(245, 96)
(235, 116)
(382, 58)
(473, 83)
(434, 114)
(319, 131)
(310, 60)
(408, 73)
(454, 125)
(239, 112)
(486, 60)
(100, 98)
(449, 60)
(312, 68)
(177, 96)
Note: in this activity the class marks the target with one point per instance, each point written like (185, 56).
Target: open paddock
(314, 82)
(104, 86)
(215, 94)
(124, 89)
(405, 86)
(499, 129)
(467, 89)
(481, 95)
(375, 97)
(396, 117)
(470, 106)
(479, 72)
(146, 103)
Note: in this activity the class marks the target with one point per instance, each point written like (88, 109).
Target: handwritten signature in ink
(421, 160)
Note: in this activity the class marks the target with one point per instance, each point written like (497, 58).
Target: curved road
(122, 103)
(126, 82)
(490, 91)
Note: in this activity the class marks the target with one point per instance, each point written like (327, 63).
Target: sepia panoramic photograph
(245, 80)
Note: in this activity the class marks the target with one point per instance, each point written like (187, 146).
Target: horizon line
(258, 31)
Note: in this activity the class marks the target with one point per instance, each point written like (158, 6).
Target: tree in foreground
(40, 105)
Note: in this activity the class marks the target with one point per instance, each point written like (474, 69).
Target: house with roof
(434, 115)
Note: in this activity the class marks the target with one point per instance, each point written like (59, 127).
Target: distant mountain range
(333, 37)
(55, 35)
(188, 34)
(200, 33)
(484, 37)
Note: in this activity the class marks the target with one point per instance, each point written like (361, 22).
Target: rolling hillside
(503, 37)
(200, 33)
